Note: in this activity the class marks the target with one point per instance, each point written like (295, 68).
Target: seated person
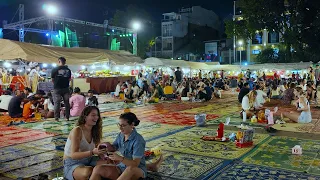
(244, 91)
(48, 106)
(311, 93)
(303, 107)
(154, 93)
(160, 90)
(275, 92)
(288, 94)
(15, 106)
(204, 93)
(118, 89)
(136, 89)
(30, 107)
(248, 103)
(179, 89)
(17, 92)
(261, 95)
(79, 159)
(128, 96)
(27, 92)
(131, 154)
(168, 91)
(208, 91)
(92, 100)
(77, 102)
(220, 84)
(4, 101)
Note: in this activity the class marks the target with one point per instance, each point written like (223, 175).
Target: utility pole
(234, 36)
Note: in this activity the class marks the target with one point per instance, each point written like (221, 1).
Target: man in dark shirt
(244, 91)
(61, 77)
(208, 92)
(14, 108)
(178, 75)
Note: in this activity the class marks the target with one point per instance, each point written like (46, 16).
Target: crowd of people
(26, 104)
(87, 157)
(293, 91)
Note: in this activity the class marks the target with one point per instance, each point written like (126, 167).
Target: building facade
(178, 30)
(250, 48)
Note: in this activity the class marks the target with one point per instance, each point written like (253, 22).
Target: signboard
(134, 72)
(1, 33)
(45, 86)
(211, 48)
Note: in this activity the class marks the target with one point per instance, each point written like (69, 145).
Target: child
(30, 107)
(92, 100)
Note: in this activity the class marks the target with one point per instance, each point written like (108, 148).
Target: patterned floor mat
(148, 130)
(177, 118)
(188, 141)
(61, 127)
(32, 165)
(246, 171)
(276, 153)
(11, 130)
(23, 137)
(184, 166)
(313, 127)
(235, 120)
(219, 109)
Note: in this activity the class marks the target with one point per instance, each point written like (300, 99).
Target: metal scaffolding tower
(22, 23)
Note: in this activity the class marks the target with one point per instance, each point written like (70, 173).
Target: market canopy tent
(12, 50)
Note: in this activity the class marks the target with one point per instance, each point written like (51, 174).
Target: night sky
(98, 10)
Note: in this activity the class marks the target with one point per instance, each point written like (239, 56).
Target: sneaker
(271, 130)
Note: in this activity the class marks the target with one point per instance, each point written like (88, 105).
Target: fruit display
(101, 73)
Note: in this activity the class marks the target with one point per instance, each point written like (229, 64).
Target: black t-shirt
(61, 77)
(14, 108)
(129, 95)
(244, 91)
(178, 76)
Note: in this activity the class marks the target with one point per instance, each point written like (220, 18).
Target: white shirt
(135, 90)
(33, 72)
(245, 103)
(201, 83)
(282, 88)
(30, 94)
(260, 98)
(305, 87)
(4, 101)
(179, 90)
(118, 88)
(49, 103)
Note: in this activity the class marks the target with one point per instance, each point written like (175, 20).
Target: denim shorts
(69, 165)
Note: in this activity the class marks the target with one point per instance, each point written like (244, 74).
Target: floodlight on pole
(240, 42)
(136, 25)
(50, 9)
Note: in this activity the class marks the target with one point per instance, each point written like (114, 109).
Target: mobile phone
(102, 146)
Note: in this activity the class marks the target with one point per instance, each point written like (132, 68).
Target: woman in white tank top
(304, 114)
(81, 145)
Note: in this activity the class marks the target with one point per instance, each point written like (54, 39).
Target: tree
(267, 55)
(145, 35)
(295, 20)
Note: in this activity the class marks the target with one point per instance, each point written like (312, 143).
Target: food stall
(76, 57)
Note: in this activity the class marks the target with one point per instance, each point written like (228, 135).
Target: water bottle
(244, 116)
(61, 114)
